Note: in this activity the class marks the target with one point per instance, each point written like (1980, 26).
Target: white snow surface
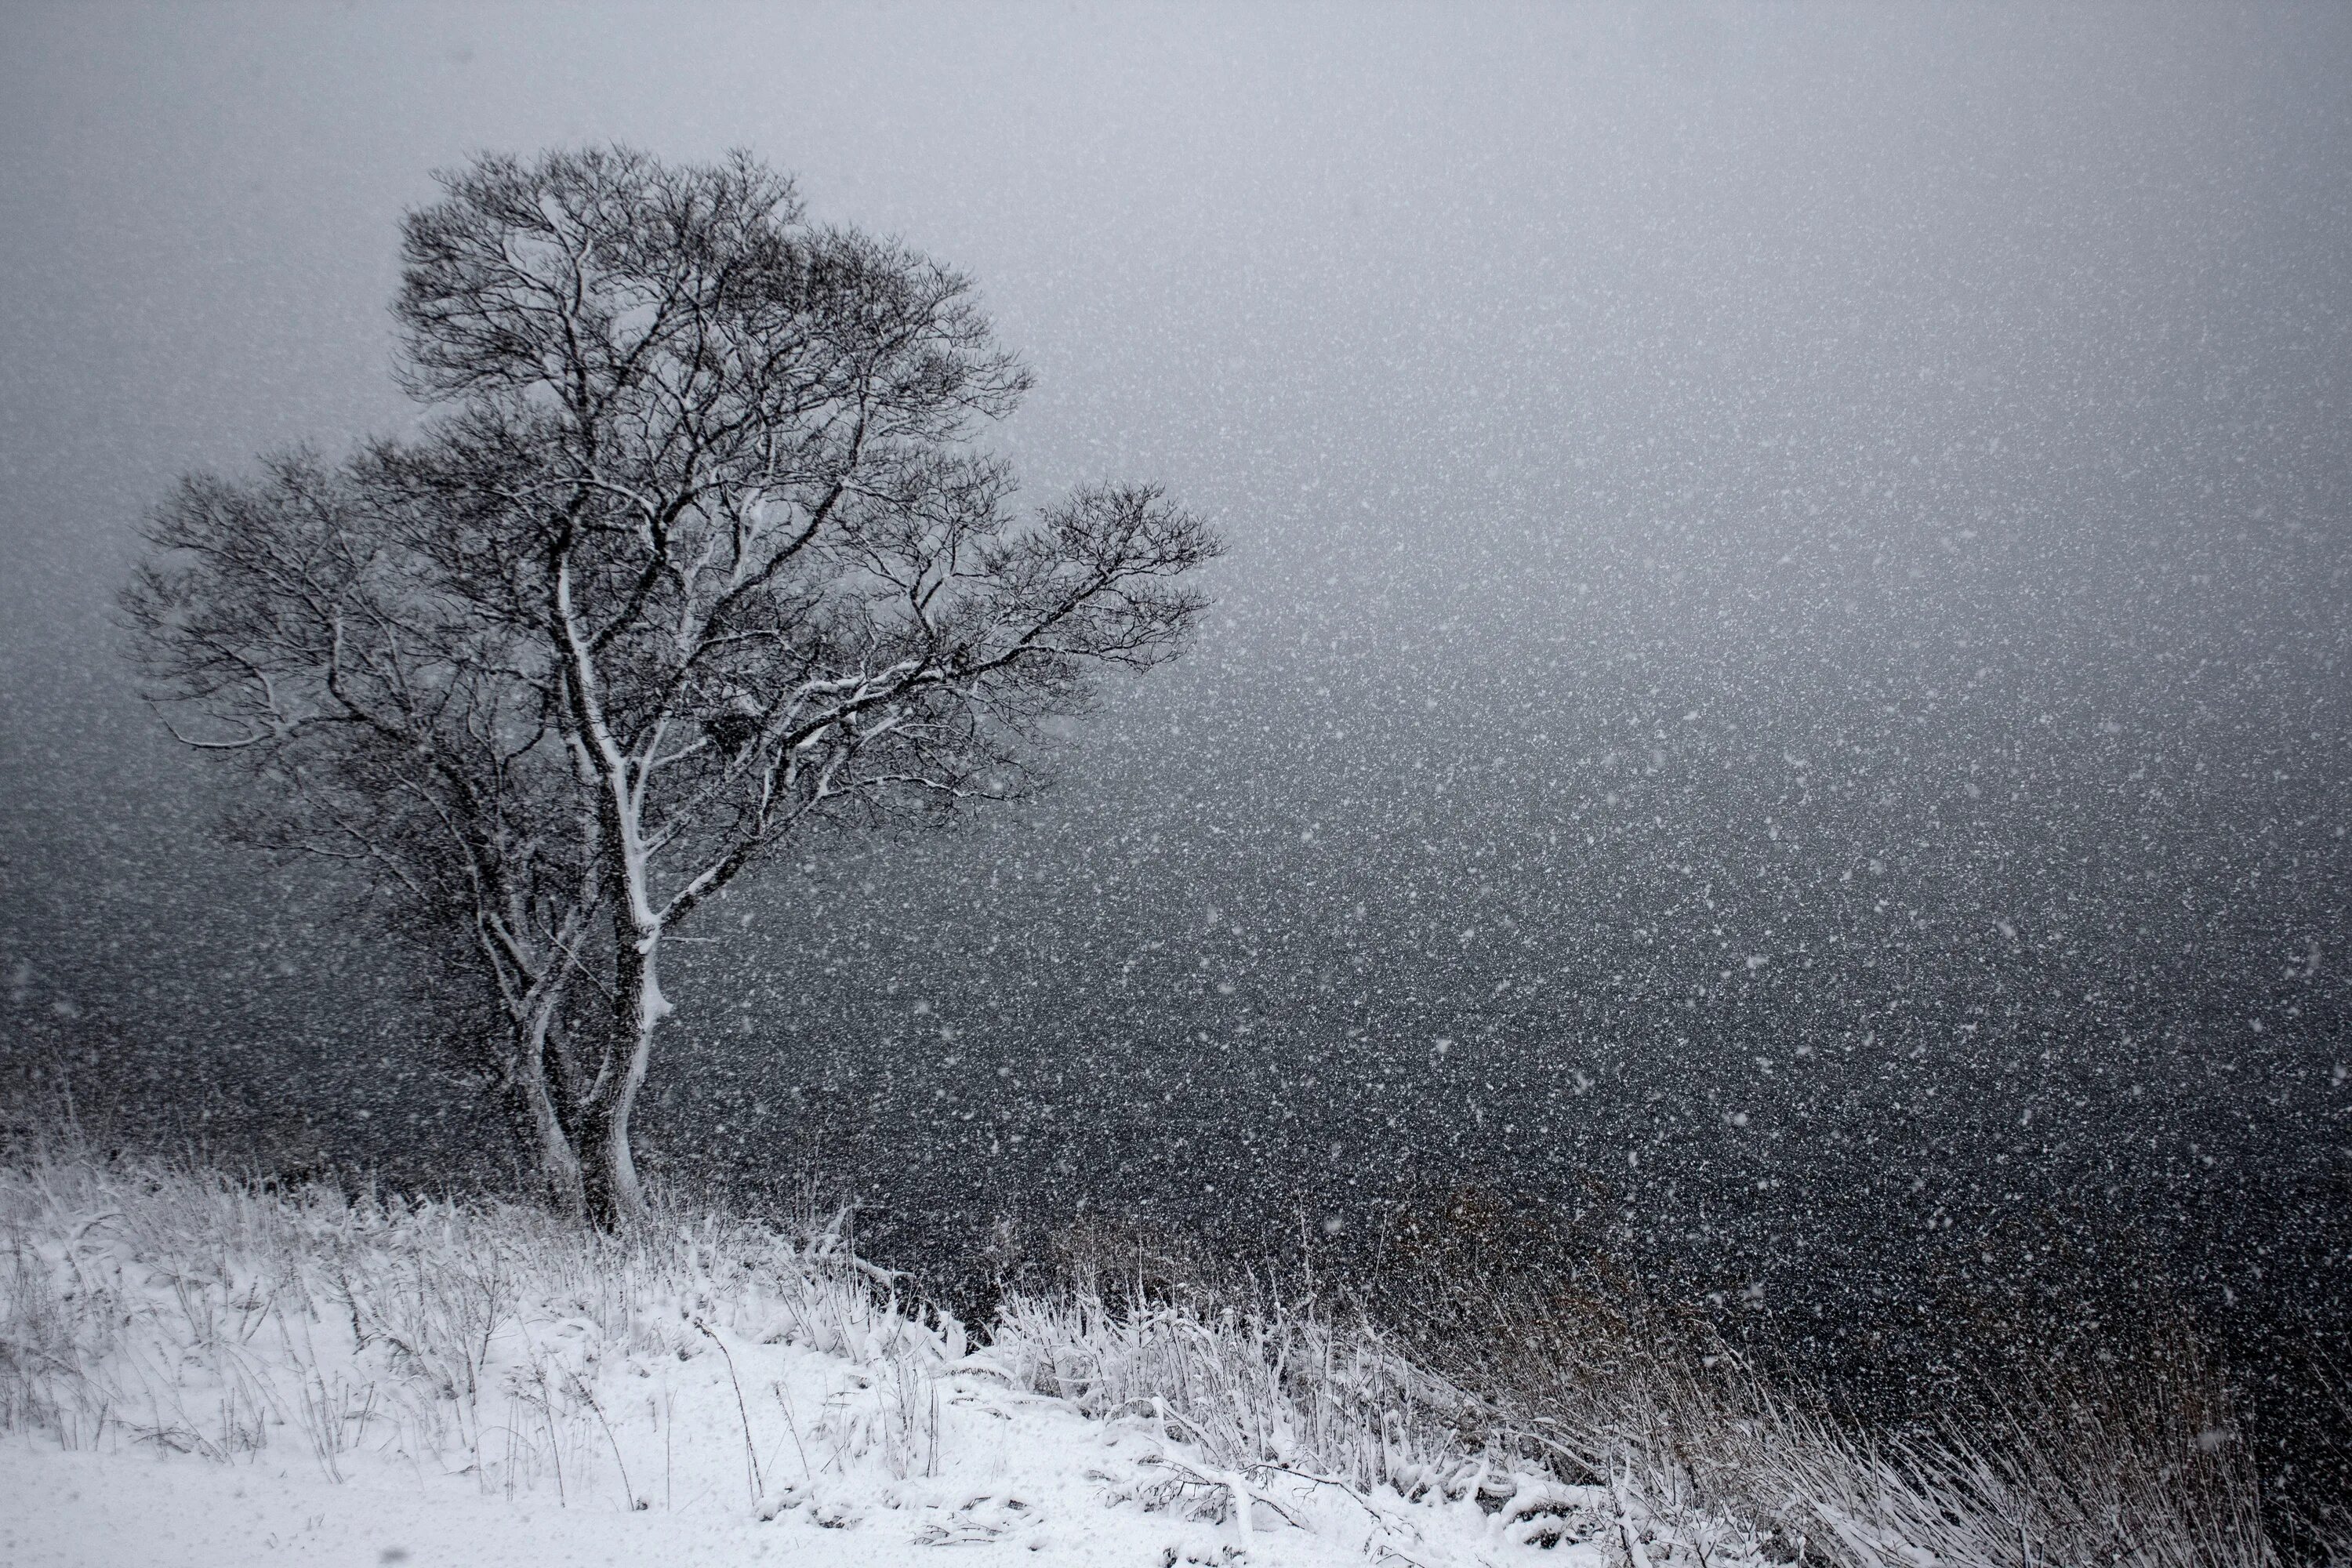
(1034, 1485)
(192, 1374)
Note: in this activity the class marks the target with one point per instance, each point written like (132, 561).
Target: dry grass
(1277, 1386)
(2149, 1475)
(1600, 1418)
(151, 1303)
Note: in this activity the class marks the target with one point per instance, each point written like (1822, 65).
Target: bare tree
(694, 552)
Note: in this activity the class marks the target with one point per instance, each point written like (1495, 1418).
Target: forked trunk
(536, 1100)
(616, 1197)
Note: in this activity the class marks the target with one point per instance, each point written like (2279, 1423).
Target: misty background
(1777, 714)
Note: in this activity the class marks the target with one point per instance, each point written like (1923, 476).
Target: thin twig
(750, 1455)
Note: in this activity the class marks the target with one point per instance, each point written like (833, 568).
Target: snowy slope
(195, 1373)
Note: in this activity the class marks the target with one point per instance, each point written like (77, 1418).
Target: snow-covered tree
(692, 552)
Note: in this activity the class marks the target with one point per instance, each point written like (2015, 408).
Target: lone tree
(693, 551)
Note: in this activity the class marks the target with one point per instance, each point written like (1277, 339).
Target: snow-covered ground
(83, 1511)
(1031, 1484)
(195, 1373)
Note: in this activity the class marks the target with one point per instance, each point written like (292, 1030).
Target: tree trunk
(614, 1195)
(559, 1161)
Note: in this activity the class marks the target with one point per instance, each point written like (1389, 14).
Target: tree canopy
(694, 549)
